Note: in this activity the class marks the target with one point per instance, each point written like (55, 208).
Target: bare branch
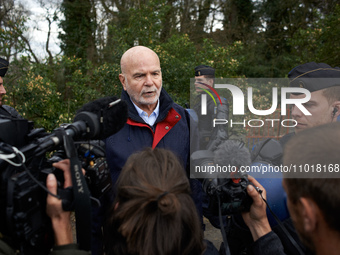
(50, 57)
(29, 48)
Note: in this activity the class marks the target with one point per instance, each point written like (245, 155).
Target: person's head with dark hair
(204, 75)
(3, 70)
(323, 81)
(154, 212)
(314, 198)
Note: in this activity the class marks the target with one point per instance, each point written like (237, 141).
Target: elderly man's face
(318, 106)
(142, 79)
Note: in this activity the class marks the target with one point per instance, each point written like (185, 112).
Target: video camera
(26, 157)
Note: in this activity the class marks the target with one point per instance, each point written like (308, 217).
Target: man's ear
(122, 80)
(309, 214)
(211, 82)
(336, 110)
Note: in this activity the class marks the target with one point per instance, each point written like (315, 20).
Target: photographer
(60, 219)
(322, 81)
(312, 198)
(265, 240)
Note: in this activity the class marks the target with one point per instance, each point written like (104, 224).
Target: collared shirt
(148, 119)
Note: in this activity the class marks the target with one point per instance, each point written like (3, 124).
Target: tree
(321, 41)
(12, 27)
(79, 28)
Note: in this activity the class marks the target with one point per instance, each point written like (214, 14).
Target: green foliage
(321, 41)
(50, 95)
(272, 37)
(79, 27)
(177, 58)
(141, 26)
(10, 32)
(106, 81)
(37, 99)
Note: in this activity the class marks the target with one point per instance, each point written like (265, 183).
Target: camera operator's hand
(61, 221)
(256, 219)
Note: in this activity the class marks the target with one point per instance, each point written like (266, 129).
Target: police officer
(205, 77)
(5, 109)
(323, 81)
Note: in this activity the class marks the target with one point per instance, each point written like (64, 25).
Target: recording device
(232, 189)
(24, 165)
(92, 157)
(230, 186)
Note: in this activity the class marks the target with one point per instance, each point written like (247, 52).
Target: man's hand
(61, 222)
(256, 219)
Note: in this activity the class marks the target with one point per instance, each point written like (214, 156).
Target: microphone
(232, 153)
(111, 112)
(228, 185)
(96, 120)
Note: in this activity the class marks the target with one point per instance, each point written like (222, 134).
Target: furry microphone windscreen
(112, 114)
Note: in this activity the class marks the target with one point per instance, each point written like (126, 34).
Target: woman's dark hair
(155, 214)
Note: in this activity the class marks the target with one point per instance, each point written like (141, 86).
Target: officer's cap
(3, 67)
(314, 76)
(204, 70)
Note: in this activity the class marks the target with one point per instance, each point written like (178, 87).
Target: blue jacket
(170, 131)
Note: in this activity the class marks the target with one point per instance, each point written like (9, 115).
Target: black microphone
(96, 120)
(111, 112)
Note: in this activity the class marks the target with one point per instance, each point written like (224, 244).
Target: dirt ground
(212, 234)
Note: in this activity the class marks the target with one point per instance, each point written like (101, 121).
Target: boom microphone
(95, 120)
(111, 112)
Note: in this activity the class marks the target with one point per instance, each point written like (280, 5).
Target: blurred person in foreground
(323, 83)
(153, 212)
(313, 199)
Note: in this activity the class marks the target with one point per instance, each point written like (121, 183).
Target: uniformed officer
(323, 81)
(205, 78)
(5, 109)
